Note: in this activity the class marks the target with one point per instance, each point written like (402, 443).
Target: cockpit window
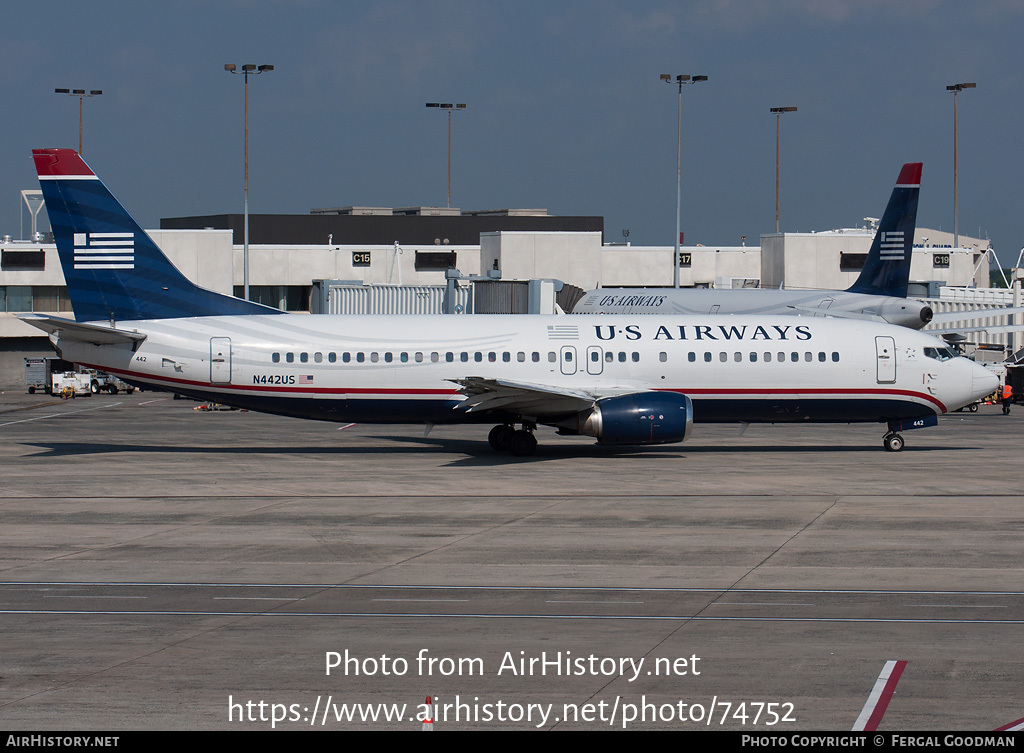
(940, 354)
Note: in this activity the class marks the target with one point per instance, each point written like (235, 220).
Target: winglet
(51, 163)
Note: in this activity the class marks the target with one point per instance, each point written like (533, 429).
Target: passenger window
(622, 356)
(723, 357)
(318, 357)
(478, 356)
(346, 357)
(663, 356)
(767, 357)
(464, 357)
(360, 357)
(691, 357)
(492, 356)
(332, 357)
(435, 357)
(568, 356)
(821, 356)
(289, 357)
(506, 357)
(536, 357)
(737, 357)
(275, 357)
(707, 357)
(388, 357)
(304, 357)
(835, 356)
(753, 357)
(794, 357)
(521, 357)
(808, 357)
(449, 357)
(551, 356)
(419, 357)
(374, 357)
(636, 357)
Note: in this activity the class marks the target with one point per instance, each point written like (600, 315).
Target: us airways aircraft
(622, 380)
(879, 294)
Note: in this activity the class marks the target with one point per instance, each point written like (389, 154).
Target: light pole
(680, 80)
(956, 89)
(778, 118)
(81, 94)
(450, 108)
(247, 69)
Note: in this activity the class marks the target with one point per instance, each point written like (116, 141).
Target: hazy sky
(565, 108)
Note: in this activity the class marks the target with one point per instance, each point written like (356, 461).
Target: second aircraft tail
(887, 268)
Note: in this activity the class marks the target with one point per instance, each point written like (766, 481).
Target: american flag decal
(305, 379)
(892, 246)
(104, 250)
(563, 332)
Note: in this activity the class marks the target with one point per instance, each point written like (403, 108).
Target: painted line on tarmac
(878, 700)
(61, 415)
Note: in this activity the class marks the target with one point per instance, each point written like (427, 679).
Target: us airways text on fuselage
(706, 332)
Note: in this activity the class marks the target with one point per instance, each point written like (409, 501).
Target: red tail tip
(910, 174)
(59, 162)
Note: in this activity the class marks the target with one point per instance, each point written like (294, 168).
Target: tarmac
(163, 568)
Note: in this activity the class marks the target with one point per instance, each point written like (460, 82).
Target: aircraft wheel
(893, 442)
(973, 407)
(524, 443)
(500, 437)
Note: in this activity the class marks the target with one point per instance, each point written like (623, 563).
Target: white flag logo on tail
(892, 246)
(104, 250)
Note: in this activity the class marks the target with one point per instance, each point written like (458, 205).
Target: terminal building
(294, 260)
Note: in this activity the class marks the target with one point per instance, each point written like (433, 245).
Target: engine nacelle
(639, 418)
(905, 312)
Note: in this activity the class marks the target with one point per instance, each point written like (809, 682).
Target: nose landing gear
(892, 441)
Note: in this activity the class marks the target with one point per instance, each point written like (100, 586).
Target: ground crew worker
(1007, 398)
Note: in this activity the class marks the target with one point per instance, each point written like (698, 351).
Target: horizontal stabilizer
(94, 334)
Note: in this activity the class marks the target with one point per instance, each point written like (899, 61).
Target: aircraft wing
(965, 316)
(94, 334)
(991, 329)
(838, 313)
(522, 397)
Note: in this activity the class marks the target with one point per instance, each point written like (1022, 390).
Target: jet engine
(905, 312)
(637, 418)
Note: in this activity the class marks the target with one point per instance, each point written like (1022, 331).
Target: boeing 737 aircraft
(624, 380)
(879, 294)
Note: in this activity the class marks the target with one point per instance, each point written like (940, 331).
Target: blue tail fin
(113, 269)
(887, 269)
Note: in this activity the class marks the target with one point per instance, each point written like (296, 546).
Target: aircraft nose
(983, 381)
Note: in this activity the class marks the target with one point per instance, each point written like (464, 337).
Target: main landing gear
(892, 441)
(521, 443)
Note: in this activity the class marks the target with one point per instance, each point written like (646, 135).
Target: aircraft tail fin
(887, 268)
(113, 269)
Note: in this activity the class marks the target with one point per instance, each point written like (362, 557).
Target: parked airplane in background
(623, 380)
(879, 294)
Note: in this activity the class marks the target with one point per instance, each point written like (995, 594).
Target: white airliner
(623, 380)
(879, 294)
